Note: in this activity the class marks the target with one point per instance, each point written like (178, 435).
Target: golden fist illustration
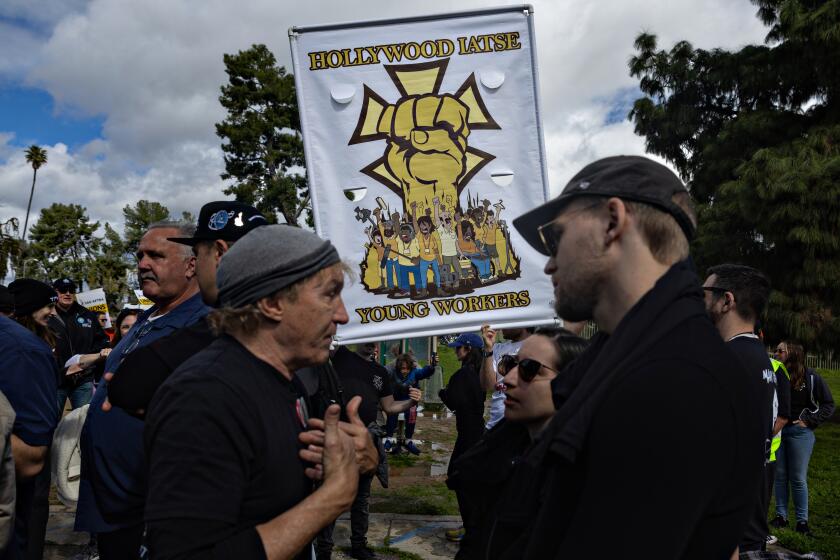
(427, 143)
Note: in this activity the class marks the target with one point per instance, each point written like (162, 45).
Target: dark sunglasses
(549, 235)
(528, 368)
(65, 290)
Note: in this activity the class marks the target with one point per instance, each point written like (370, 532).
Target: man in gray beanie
(228, 476)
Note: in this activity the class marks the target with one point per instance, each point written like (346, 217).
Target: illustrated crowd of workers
(225, 425)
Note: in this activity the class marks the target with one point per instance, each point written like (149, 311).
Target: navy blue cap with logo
(227, 220)
(64, 285)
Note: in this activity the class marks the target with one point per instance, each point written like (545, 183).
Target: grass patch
(430, 498)
(402, 460)
(448, 362)
(823, 489)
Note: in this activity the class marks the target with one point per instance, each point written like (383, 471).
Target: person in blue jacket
(406, 376)
(30, 382)
(112, 490)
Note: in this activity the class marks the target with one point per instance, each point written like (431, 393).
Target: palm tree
(36, 157)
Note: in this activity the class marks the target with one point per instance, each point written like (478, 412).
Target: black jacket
(821, 400)
(77, 331)
(464, 396)
(656, 443)
(491, 477)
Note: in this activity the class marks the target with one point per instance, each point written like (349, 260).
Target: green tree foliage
(261, 135)
(111, 269)
(137, 221)
(62, 242)
(37, 158)
(756, 134)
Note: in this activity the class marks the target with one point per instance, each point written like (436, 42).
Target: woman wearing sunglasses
(491, 475)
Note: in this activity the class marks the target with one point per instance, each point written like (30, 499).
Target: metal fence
(822, 362)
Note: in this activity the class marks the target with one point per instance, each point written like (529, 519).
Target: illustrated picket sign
(423, 141)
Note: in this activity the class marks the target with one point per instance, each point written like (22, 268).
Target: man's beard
(577, 295)
(715, 316)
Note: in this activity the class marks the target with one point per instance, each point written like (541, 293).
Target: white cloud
(153, 70)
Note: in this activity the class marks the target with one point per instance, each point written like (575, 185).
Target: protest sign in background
(142, 300)
(423, 141)
(96, 302)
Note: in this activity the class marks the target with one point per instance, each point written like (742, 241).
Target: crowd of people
(223, 423)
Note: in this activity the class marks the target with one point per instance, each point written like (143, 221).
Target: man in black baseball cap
(654, 382)
(220, 224)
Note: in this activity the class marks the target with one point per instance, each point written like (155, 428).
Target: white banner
(423, 141)
(96, 302)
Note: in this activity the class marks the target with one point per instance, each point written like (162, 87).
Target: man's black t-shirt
(143, 371)
(754, 358)
(364, 378)
(222, 444)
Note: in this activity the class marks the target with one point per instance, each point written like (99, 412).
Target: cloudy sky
(124, 94)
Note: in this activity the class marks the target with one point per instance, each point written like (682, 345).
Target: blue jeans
(792, 467)
(402, 275)
(79, 396)
(424, 268)
(482, 264)
(390, 272)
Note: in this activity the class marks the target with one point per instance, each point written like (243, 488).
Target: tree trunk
(29, 206)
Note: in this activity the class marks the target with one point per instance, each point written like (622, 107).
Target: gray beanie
(268, 259)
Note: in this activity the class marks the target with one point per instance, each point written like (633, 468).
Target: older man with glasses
(112, 489)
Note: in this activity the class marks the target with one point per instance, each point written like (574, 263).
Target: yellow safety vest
(777, 439)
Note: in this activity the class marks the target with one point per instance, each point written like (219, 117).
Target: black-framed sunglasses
(528, 368)
(549, 235)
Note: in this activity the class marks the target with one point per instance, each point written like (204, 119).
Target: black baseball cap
(633, 178)
(63, 285)
(227, 220)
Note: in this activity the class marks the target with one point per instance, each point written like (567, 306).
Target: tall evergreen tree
(261, 135)
(63, 242)
(137, 221)
(111, 269)
(756, 134)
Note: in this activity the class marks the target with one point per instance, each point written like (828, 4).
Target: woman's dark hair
(40, 331)
(120, 318)
(569, 345)
(473, 358)
(795, 363)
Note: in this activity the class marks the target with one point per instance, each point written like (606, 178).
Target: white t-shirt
(448, 241)
(497, 399)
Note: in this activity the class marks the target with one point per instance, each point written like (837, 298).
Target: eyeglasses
(528, 368)
(64, 290)
(549, 234)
